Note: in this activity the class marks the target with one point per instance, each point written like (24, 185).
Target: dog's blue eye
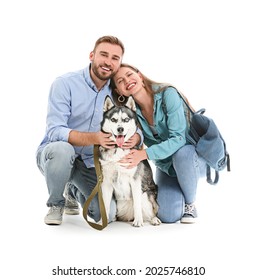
(114, 120)
(126, 120)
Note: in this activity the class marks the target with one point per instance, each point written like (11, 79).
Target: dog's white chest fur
(117, 176)
(132, 203)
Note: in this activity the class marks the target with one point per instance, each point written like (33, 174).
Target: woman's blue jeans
(58, 163)
(174, 192)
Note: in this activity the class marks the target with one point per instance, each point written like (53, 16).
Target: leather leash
(97, 189)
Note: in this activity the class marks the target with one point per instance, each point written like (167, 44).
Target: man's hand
(103, 139)
(78, 138)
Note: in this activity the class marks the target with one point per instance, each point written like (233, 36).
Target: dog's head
(120, 121)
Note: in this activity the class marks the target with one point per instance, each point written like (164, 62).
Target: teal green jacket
(170, 124)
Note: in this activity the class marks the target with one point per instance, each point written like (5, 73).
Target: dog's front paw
(138, 223)
(155, 221)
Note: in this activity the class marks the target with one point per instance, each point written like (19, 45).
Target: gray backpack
(209, 144)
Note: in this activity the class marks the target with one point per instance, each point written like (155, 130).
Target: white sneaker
(54, 215)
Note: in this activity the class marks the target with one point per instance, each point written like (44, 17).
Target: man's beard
(103, 77)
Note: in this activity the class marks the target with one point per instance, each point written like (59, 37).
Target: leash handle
(97, 189)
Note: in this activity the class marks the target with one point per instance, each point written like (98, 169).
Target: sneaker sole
(69, 211)
(53, 222)
(188, 220)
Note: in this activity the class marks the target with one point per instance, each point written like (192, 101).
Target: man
(65, 156)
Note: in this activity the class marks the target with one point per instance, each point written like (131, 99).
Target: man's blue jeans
(58, 163)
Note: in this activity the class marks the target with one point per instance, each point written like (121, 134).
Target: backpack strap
(192, 111)
(208, 175)
(228, 162)
(97, 189)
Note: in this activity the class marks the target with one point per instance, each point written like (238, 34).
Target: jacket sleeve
(171, 126)
(139, 131)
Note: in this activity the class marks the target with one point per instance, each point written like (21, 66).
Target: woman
(162, 118)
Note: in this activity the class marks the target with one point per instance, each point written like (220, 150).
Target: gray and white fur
(133, 188)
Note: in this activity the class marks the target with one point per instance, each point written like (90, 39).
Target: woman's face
(127, 81)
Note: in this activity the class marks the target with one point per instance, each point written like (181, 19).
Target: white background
(207, 49)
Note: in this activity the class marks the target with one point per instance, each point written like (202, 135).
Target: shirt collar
(89, 80)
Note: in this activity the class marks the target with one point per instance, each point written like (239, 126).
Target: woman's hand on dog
(132, 142)
(133, 158)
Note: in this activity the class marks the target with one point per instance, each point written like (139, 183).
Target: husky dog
(133, 188)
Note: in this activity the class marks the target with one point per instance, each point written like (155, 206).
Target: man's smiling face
(105, 60)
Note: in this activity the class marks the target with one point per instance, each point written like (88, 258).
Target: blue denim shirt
(170, 125)
(74, 104)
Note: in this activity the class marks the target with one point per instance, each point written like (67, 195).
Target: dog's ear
(108, 104)
(131, 104)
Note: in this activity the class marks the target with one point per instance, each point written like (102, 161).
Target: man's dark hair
(111, 40)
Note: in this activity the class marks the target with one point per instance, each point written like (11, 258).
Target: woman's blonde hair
(148, 83)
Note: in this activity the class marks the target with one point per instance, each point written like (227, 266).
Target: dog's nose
(120, 129)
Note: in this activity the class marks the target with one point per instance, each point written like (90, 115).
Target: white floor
(205, 48)
(223, 241)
